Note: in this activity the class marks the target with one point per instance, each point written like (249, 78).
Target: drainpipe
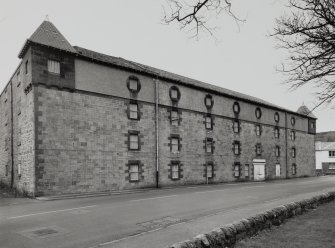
(286, 144)
(11, 135)
(156, 131)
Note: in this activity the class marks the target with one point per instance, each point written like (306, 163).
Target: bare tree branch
(196, 14)
(308, 34)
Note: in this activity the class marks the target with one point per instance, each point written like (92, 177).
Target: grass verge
(316, 228)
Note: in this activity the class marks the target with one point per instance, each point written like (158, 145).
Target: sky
(243, 58)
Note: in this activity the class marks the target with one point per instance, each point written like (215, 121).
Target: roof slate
(48, 35)
(305, 111)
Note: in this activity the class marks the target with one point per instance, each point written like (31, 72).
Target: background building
(325, 153)
(75, 120)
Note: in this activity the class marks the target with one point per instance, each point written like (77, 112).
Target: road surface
(153, 218)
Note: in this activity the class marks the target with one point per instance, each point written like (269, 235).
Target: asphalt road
(154, 218)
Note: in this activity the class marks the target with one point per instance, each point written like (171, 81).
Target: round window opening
(292, 121)
(174, 93)
(258, 113)
(276, 117)
(236, 108)
(209, 102)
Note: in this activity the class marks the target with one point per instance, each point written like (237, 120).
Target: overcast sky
(243, 59)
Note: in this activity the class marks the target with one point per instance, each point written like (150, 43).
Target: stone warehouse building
(74, 120)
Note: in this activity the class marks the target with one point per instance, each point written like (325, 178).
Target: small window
(209, 170)
(292, 121)
(277, 151)
(133, 141)
(7, 170)
(236, 108)
(276, 116)
(175, 175)
(246, 170)
(331, 166)
(331, 154)
(312, 125)
(174, 93)
(293, 152)
(54, 66)
(133, 84)
(258, 130)
(26, 67)
(209, 101)
(19, 170)
(133, 111)
(258, 113)
(292, 135)
(134, 173)
(237, 148)
(175, 141)
(277, 132)
(237, 170)
(236, 126)
(208, 122)
(209, 145)
(294, 169)
(258, 149)
(174, 116)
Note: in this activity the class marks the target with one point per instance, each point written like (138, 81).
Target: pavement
(150, 218)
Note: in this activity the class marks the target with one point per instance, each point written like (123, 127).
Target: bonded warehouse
(75, 121)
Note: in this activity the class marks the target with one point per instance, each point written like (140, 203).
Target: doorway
(259, 169)
(277, 170)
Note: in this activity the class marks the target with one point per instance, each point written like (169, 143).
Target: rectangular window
(134, 172)
(258, 130)
(18, 78)
(236, 126)
(276, 132)
(209, 170)
(237, 148)
(294, 169)
(236, 170)
(208, 122)
(133, 141)
(277, 152)
(26, 67)
(293, 152)
(19, 170)
(331, 154)
(175, 144)
(7, 170)
(53, 66)
(292, 135)
(175, 171)
(258, 149)
(174, 115)
(133, 111)
(246, 170)
(209, 145)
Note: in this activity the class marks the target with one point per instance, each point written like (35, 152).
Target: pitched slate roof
(305, 111)
(48, 35)
(330, 147)
(325, 136)
(123, 63)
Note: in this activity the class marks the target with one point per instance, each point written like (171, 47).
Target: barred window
(209, 170)
(294, 169)
(134, 172)
(175, 171)
(258, 149)
(236, 170)
(133, 142)
(53, 66)
(174, 115)
(175, 144)
(276, 132)
(258, 130)
(209, 145)
(208, 122)
(331, 154)
(292, 135)
(277, 151)
(246, 170)
(236, 126)
(133, 111)
(237, 148)
(293, 152)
